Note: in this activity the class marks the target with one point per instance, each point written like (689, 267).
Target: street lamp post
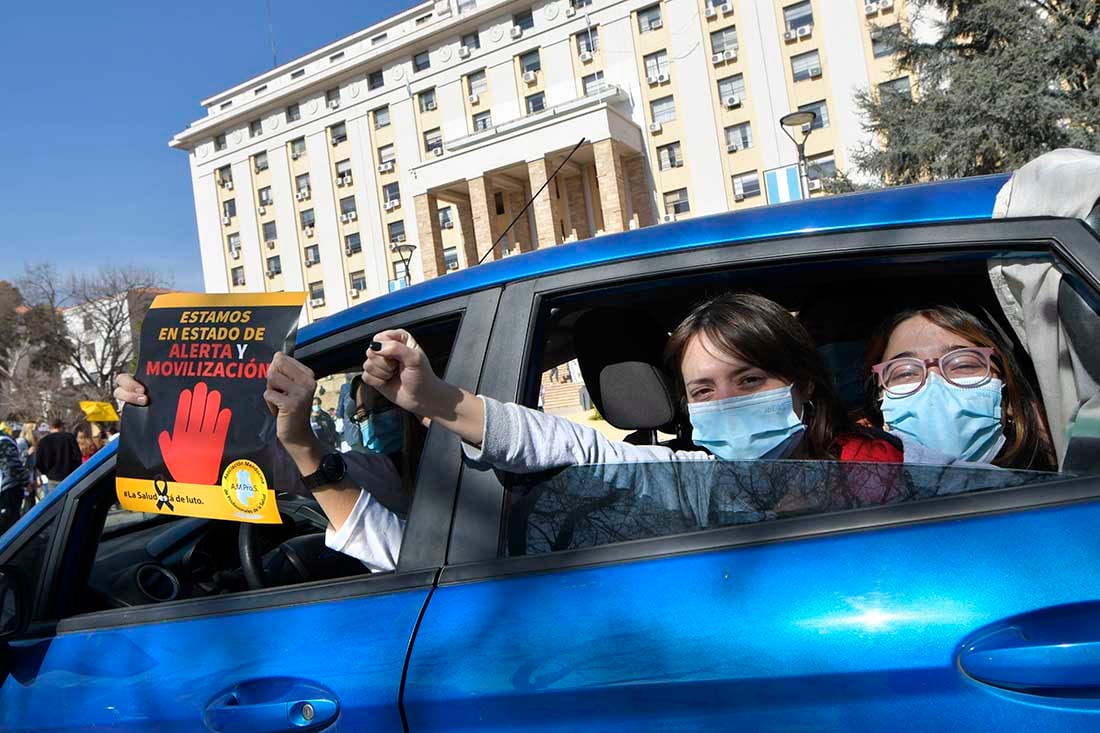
(803, 121)
(404, 251)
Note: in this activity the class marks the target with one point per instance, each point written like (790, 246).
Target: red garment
(869, 450)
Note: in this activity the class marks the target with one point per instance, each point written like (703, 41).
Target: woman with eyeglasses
(944, 384)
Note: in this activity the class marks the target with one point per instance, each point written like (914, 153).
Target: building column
(483, 210)
(609, 175)
(470, 250)
(547, 208)
(431, 238)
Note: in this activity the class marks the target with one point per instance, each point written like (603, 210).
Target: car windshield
(589, 505)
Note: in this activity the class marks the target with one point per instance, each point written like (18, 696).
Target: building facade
(406, 150)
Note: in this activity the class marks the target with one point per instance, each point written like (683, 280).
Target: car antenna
(531, 200)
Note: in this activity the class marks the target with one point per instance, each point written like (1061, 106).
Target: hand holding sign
(193, 452)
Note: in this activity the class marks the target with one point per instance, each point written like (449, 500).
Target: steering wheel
(252, 559)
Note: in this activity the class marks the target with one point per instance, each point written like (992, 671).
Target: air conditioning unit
(733, 147)
(570, 11)
(473, 99)
(344, 218)
(447, 224)
(870, 8)
(885, 4)
(229, 185)
(710, 11)
(340, 181)
(655, 24)
(298, 196)
(349, 251)
(530, 77)
(806, 128)
(397, 239)
(655, 127)
(335, 142)
(308, 231)
(333, 104)
(295, 156)
(305, 193)
(805, 30)
(270, 244)
(316, 302)
(235, 254)
(727, 8)
(738, 197)
(662, 78)
(353, 293)
(452, 266)
(390, 205)
(732, 101)
(386, 167)
(814, 184)
(347, 179)
(226, 220)
(437, 151)
(516, 32)
(653, 79)
(790, 35)
(261, 210)
(815, 72)
(586, 57)
(464, 52)
(730, 53)
(311, 262)
(429, 106)
(271, 273)
(717, 58)
(353, 215)
(669, 217)
(876, 34)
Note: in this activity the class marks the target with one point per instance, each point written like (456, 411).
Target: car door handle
(271, 705)
(1053, 659)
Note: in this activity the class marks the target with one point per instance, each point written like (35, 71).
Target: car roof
(955, 200)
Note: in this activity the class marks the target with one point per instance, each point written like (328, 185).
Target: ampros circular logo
(245, 486)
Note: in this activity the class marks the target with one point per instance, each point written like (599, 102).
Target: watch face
(332, 467)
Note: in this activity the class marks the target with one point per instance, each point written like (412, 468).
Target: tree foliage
(999, 83)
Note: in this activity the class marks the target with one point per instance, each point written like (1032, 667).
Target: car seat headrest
(636, 396)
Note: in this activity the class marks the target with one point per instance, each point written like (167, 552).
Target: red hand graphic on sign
(193, 452)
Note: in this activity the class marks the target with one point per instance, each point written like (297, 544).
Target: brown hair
(1027, 438)
(761, 332)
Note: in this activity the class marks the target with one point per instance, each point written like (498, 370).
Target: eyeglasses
(965, 368)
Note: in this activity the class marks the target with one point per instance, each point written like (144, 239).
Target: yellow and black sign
(203, 447)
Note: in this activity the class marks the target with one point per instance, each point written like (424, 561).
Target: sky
(90, 96)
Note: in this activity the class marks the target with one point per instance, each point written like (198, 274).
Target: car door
(286, 658)
(963, 611)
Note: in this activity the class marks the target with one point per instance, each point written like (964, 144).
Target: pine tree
(1002, 82)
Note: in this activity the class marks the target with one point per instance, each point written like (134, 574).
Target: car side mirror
(13, 603)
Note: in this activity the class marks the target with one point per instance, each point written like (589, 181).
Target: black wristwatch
(331, 471)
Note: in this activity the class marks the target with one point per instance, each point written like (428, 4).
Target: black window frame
(477, 547)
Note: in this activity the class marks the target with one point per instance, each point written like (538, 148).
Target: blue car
(971, 601)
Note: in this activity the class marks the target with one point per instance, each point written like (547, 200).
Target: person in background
(28, 446)
(58, 455)
(13, 479)
(86, 443)
(324, 427)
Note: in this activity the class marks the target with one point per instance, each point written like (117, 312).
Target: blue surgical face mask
(960, 422)
(745, 428)
(383, 432)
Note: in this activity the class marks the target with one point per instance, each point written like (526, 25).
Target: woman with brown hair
(943, 382)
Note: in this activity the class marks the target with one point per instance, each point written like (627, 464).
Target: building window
(524, 20)
(347, 205)
(396, 231)
(588, 41)
(656, 64)
(270, 233)
(422, 61)
(471, 41)
(400, 270)
(358, 280)
(301, 183)
(387, 154)
(663, 110)
(353, 245)
(423, 19)
(264, 195)
(297, 73)
(297, 147)
(259, 162)
(746, 185)
(483, 121)
(274, 265)
(335, 57)
(332, 95)
(255, 128)
(498, 203)
(732, 89)
(233, 242)
(338, 133)
(899, 87)
(259, 90)
(536, 103)
(391, 192)
(806, 66)
(224, 175)
(593, 84)
(317, 291)
(375, 80)
(477, 82)
(238, 276)
(229, 208)
(219, 142)
(649, 19)
(799, 15)
(739, 137)
(307, 218)
(313, 254)
(293, 113)
(676, 202)
(530, 61)
(450, 258)
(381, 117)
(225, 105)
(427, 100)
(433, 140)
(820, 109)
(724, 40)
(882, 40)
(578, 4)
(821, 167)
(445, 221)
(669, 156)
(343, 167)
